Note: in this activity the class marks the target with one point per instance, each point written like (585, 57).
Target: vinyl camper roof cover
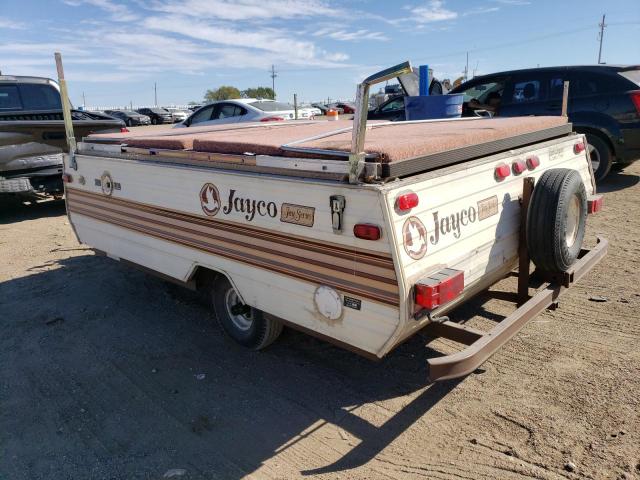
(392, 142)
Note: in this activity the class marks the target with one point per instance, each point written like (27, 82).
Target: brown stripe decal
(366, 274)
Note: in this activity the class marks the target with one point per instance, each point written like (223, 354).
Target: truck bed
(400, 148)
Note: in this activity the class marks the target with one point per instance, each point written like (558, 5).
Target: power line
(602, 26)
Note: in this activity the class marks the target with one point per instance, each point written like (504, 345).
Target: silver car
(241, 110)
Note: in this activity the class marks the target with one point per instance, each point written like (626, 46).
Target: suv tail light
(439, 288)
(635, 98)
(272, 119)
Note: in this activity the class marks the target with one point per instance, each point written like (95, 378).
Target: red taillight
(407, 201)
(594, 203)
(67, 178)
(518, 167)
(439, 288)
(635, 98)
(533, 162)
(367, 231)
(502, 171)
(272, 119)
(579, 148)
(124, 130)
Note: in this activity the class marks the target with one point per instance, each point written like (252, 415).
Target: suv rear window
(29, 97)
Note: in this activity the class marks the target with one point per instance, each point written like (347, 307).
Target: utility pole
(84, 102)
(466, 69)
(600, 37)
(273, 79)
(155, 94)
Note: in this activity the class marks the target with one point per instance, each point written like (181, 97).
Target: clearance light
(367, 231)
(518, 167)
(124, 130)
(533, 162)
(67, 178)
(502, 171)
(407, 201)
(594, 203)
(579, 148)
(439, 288)
(272, 119)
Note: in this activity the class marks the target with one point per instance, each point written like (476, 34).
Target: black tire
(250, 328)
(154, 121)
(601, 156)
(556, 220)
(130, 123)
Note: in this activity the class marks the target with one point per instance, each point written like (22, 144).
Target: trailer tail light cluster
(533, 162)
(518, 167)
(366, 231)
(272, 119)
(502, 171)
(579, 148)
(407, 201)
(439, 288)
(594, 203)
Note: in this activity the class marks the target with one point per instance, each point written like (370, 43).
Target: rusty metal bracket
(524, 262)
(482, 345)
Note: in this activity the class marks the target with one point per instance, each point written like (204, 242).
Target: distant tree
(259, 92)
(225, 92)
(192, 102)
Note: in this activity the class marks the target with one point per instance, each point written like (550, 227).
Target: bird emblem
(415, 238)
(210, 199)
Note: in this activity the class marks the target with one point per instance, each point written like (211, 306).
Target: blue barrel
(433, 106)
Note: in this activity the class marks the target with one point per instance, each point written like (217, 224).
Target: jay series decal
(212, 203)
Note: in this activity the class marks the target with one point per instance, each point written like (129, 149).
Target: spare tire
(556, 220)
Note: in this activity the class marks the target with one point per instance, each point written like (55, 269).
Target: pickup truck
(32, 134)
(360, 233)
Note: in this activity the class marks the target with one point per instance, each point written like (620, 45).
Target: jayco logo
(211, 204)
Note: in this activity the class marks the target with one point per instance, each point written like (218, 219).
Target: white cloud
(432, 11)
(245, 9)
(117, 11)
(11, 24)
(353, 35)
(513, 2)
(480, 11)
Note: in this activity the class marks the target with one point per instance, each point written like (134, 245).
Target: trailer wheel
(246, 325)
(556, 220)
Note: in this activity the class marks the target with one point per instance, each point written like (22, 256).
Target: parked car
(346, 107)
(32, 134)
(604, 104)
(392, 109)
(130, 117)
(157, 115)
(240, 110)
(322, 107)
(177, 114)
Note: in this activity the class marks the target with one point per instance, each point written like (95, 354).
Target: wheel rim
(594, 155)
(241, 321)
(573, 220)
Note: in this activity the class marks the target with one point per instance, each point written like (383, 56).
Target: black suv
(129, 117)
(157, 115)
(604, 103)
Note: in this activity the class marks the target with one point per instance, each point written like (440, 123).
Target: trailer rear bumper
(481, 345)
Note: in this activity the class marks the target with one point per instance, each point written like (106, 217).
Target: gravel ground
(107, 373)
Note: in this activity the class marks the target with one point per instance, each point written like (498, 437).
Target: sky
(114, 51)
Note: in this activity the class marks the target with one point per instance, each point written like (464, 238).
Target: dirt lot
(107, 373)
